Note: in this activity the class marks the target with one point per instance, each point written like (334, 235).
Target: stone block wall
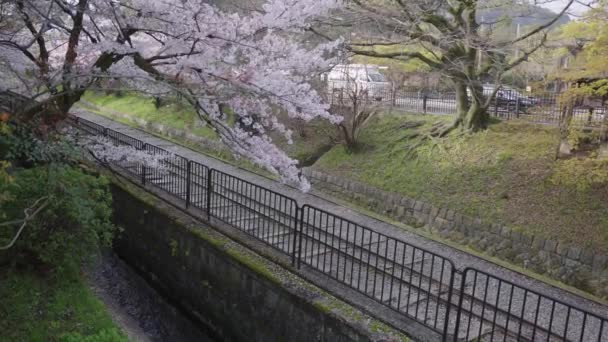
(231, 291)
(574, 265)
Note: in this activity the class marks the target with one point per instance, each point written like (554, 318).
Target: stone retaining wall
(236, 294)
(573, 265)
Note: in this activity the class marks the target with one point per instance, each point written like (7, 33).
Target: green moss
(378, 327)
(215, 241)
(328, 304)
(173, 246)
(253, 262)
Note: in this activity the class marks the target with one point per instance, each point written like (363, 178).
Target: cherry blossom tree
(250, 63)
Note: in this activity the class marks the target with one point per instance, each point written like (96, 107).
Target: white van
(362, 78)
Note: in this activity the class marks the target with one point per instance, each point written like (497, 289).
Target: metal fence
(505, 310)
(460, 306)
(505, 104)
(406, 278)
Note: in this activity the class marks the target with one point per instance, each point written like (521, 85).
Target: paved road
(398, 268)
(541, 114)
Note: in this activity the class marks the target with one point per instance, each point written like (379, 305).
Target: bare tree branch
(30, 214)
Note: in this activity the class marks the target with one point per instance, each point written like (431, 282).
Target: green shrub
(72, 226)
(581, 174)
(19, 143)
(5, 178)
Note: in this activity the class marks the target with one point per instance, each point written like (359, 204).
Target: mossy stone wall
(226, 290)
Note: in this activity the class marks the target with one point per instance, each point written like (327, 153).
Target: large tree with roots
(450, 36)
(250, 62)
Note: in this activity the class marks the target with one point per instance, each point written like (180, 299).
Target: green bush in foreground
(74, 223)
(59, 307)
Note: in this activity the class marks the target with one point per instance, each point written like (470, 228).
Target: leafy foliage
(592, 34)
(582, 174)
(251, 60)
(59, 307)
(20, 144)
(75, 222)
(5, 178)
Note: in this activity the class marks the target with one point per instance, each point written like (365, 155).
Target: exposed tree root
(411, 124)
(436, 133)
(440, 130)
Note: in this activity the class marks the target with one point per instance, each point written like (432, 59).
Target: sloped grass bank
(507, 174)
(172, 115)
(61, 307)
(310, 140)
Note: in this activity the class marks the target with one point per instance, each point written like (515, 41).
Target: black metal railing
(406, 278)
(410, 280)
(505, 104)
(506, 310)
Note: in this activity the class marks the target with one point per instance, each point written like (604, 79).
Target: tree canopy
(249, 61)
(452, 37)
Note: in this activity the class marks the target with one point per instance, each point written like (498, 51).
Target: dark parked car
(508, 97)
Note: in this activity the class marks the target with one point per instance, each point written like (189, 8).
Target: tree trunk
(48, 113)
(471, 112)
(564, 149)
(604, 130)
(603, 149)
(462, 101)
(476, 117)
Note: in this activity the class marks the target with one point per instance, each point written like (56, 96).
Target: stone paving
(403, 270)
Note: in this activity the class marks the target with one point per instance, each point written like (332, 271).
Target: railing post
(461, 293)
(424, 99)
(209, 190)
(295, 237)
(447, 311)
(105, 132)
(517, 107)
(188, 181)
(143, 167)
(495, 105)
(301, 225)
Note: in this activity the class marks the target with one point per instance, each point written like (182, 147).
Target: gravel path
(399, 274)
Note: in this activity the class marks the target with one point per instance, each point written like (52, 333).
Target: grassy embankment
(61, 307)
(507, 174)
(307, 141)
